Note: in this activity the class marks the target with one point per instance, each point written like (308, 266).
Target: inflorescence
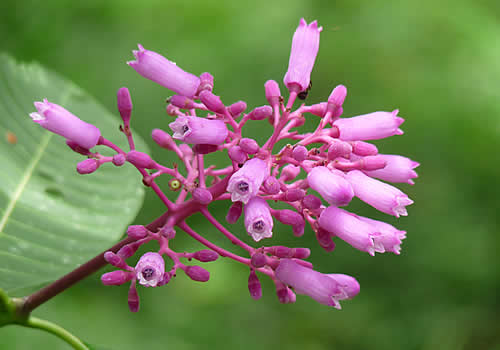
(337, 161)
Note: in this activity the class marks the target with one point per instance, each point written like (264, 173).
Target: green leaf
(51, 218)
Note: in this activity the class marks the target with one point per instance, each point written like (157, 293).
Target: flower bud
(182, 102)
(137, 231)
(258, 260)
(372, 163)
(116, 278)
(115, 260)
(294, 194)
(337, 97)
(289, 172)
(197, 273)
(212, 102)
(162, 139)
(133, 299)
(271, 185)
(311, 202)
(206, 82)
(237, 155)
(261, 113)
(373, 126)
(237, 108)
(339, 149)
(234, 212)
(254, 286)
(87, 166)
(330, 185)
(202, 195)
(124, 104)
(157, 68)
(206, 255)
(273, 94)
(249, 146)
(362, 148)
(119, 159)
(299, 153)
(140, 160)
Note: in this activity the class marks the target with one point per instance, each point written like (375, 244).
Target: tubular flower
(55, 118)
(330, 185)
(191, 129)
(245, 183)
(305, 46)
(258, 219)
(326, 289)
(150, 269)
(157, 68)
(373, 126)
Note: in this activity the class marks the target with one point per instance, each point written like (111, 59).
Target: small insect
(303, 95)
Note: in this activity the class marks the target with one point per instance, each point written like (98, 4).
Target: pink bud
(318, 109)
(261, 113)
(362, 148)
(116, 278)
(119, 159)
(234, 212)
(258, 260)
(133, 299)
(205, 255)
(299, 153)
(373, 126)
(311, 202)
(372, 163)
(254, 286)
(115, 260)
(182, 102)
(337, 97)
(212, 102)
(197, 273)
(249, 146)
(124, 104)
(172, 110)
(273, 94)
(137, 231)
(87, 166)
(140, 160)
(206, 82)
(330, 185)
(237, 155)
(186, 151)
(289, 172)
(202, 195)
(339, 149)
(325, 240)
(237, 108)
(271, 185)
(127, 250)
(162, 139)
(294, 194)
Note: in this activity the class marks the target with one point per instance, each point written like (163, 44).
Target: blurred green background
(437, 61)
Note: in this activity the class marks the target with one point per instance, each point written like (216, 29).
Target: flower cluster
(315, 174)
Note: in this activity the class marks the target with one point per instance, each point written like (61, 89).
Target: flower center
(258, 226)
(185, 129)
(243, 187)
(147, 273)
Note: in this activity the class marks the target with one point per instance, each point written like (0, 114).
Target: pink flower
(326, 289)
(55, 118)
(349, 228)
(150, 269)
(305, 46)
(389, 238)
(373, 126)
(397, 169)
(258, 219)
(245, 183)
(384, 197)
(330, 185)
(157, 68)
(191, 129)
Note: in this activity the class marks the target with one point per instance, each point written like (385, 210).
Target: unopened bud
(299, 153)
(234, 212)
(258, 260)
(294, 194)
(261, 113)
(237, 155)
(254, 286)
(182, 102)
(289, 172)
(362, 148)
(271, 185)
(339, 149)
(197, 273)
(237, 108)
(115, 260)
(140, 160)
(206, 82)
(119, 159)
(124, 104)
(162, 139)
(137, 231)
(202, 195)
(372, 162)
(311, 202)
(212, 102)
(206, 255)
(273, 94)
(133, 299)
(116, 278)
(88, 166)
(249, 146)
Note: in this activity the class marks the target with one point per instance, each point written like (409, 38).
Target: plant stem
(58, 331)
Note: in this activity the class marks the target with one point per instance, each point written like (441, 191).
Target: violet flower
(55, 118)
(373, 126)
(157, 68)
(191, 129)
(150, 269)
(305, 46)
(326, 289)
(258, 219)
(245, 183)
